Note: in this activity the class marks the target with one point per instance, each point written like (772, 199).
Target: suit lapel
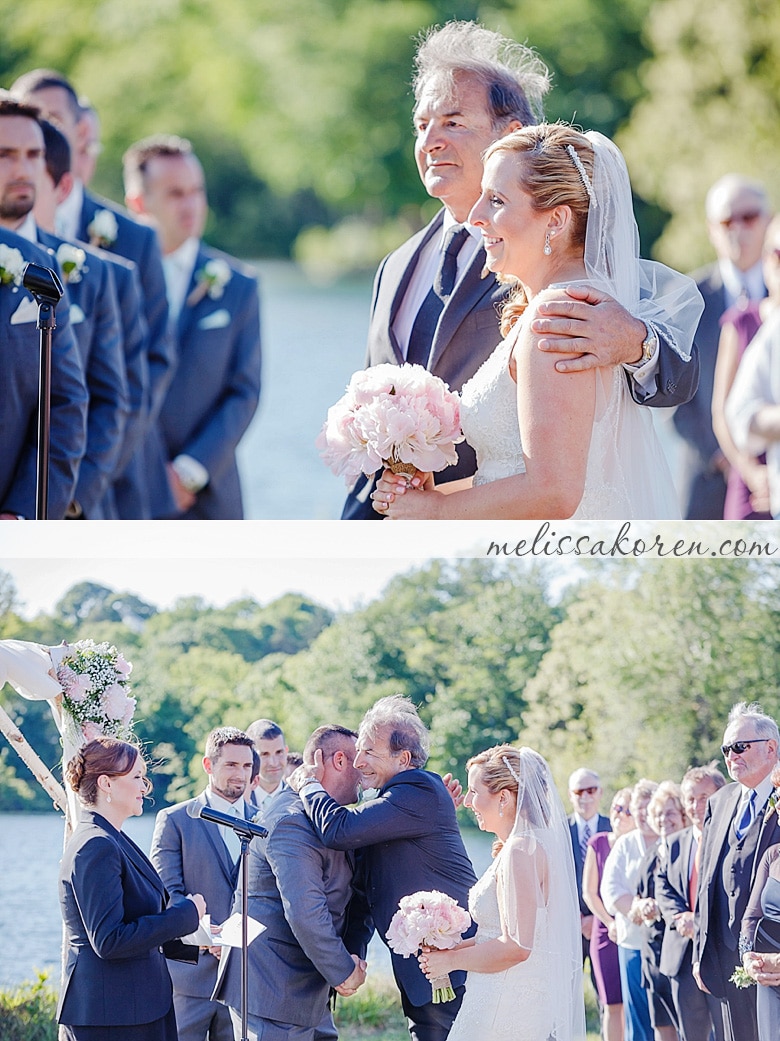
(470, 290)
(187, 313)
(133, 854)
(214, 836)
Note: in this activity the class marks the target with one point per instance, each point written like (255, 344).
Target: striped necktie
(584, 841)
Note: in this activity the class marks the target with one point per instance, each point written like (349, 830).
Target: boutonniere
(103, 229)
(71, 260)
(771, 807)
(11, 265)
(212, 279)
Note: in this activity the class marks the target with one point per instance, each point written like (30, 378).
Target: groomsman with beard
(191, 852)
(121, 284)
(471, 87)
(215, 312)
(409, 838)
(21, 159)
(316, 927)
(85, 217)
(93, 313)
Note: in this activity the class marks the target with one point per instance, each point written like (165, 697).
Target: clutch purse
(767, 936)
(178, 951)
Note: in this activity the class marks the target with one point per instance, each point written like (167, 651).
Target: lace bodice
(627, 475)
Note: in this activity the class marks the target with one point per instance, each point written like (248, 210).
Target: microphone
(238, 824)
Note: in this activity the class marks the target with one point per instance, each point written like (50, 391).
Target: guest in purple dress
(603, 949)
(747, 493)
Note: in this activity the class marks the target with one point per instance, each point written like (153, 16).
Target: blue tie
(424, 328)
(748, 816)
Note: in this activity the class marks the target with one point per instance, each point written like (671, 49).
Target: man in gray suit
(300, 891)
(471, 87)
(188, 851)
(738, 214)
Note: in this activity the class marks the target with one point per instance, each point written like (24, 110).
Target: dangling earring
(547, 246)
(501, 809)
(108, 798)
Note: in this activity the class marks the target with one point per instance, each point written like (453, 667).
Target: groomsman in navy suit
(85, 217)
(467, 96)
(214, 305)
(19, 351)
(53, 189)
(90, 297)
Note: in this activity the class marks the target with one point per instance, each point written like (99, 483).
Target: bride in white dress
(556, 209)
(524, 964)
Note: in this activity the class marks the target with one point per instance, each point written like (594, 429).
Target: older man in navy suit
(585, 793)
(214, 307)
(92, 301)
(411, 838)
(471, 87)
(195, 856)
(86, 217)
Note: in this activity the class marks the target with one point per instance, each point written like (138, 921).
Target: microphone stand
(47, 289)
(245, 838)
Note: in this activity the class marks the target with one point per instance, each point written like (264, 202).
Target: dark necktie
(584, 841)
(748, 816)
(424, 328)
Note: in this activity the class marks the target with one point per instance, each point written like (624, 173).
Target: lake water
(314, 338)
(30, 853)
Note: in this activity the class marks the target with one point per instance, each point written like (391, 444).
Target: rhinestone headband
(582, 172)
(511, 769)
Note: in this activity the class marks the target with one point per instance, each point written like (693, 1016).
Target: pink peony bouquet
(401, 417)
(428, 919)
(96, 693)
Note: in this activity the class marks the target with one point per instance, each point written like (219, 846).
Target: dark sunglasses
(741, 218)
(738, 747)
(584, 791)
(622, 809)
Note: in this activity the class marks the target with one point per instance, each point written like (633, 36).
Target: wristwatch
(649, 346)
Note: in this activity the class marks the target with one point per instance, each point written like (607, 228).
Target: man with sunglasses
(585, 795)
(737, 830)
(738, 212)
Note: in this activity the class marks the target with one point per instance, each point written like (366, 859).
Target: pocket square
(27, 311)
(76, 315)
(216, 320)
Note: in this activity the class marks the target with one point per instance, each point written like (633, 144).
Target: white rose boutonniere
(212, 279)
(103, 229)
(11, 265)
(71, 260)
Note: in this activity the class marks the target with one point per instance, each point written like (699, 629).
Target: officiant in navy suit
(193, 855)
(737, 831)
(410, 840)
(215, 312)
(86, 217)
(433, 302)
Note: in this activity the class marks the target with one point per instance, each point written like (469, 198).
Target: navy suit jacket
(467, 333)
(94, 319)
(300, 891)
(113, 906)
(703, 487)
(138, 243)
(191, 857)
(19, 347)
(216, 388)
(602, 825)
(412, 842)
(711, 945)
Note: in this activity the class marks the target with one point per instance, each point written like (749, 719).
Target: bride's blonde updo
(496, 766)
(552, 176)
(105, 756)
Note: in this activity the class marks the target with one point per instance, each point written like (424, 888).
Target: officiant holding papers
(116, 984)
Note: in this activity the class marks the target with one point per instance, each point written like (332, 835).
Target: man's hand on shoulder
(355, 980)
(589, 321)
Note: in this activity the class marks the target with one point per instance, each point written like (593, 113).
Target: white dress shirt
(233, 809)
(177, 268)
(68, 217)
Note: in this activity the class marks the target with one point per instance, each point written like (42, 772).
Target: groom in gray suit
(300, 891)
(471, 87)
(187, 852)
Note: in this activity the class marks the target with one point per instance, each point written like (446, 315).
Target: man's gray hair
(515, 78)
(765, 725)
(397, 717)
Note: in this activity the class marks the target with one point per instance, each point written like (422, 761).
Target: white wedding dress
(520, 1003)
(627, 474)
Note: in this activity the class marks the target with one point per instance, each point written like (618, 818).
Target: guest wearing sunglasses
(738, 212)
(676, 885)
(737, 831)
(585, 796)
(603, 937)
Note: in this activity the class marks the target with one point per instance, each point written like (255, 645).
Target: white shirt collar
(28, 229)
(763, 791)
(218, 803)
(68, 217)
(592, 823)
(261, 794)
(734, 280)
